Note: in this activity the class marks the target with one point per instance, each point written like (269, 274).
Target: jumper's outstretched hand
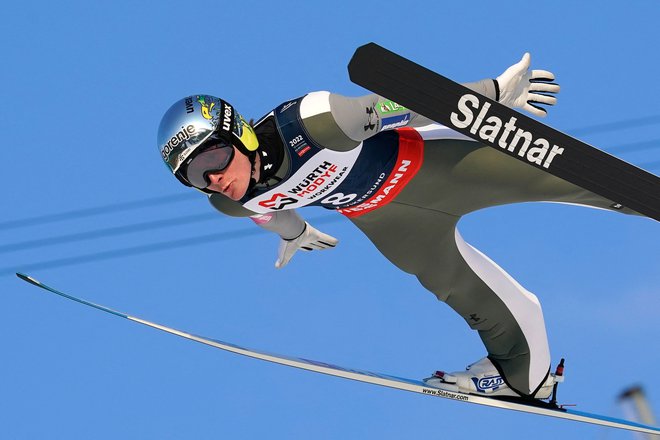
(524, 88)
(310, 239)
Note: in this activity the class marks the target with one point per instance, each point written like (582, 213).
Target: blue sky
(84, 86)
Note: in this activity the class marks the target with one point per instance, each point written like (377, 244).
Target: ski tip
(28, 278)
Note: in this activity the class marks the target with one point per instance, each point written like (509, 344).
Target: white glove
(309, 240)
(519, 86)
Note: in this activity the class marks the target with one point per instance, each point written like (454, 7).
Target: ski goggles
(214, 158)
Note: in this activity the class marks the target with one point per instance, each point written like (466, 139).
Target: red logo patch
(277, 202)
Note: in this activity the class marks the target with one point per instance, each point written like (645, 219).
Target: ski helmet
(199, 123)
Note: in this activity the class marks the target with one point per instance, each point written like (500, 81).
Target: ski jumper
(405, 182)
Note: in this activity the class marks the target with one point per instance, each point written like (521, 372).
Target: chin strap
(252, 156)
(251, 185)
(267, 175)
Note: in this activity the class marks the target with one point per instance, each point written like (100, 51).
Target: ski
(370, 377)
(508, 131)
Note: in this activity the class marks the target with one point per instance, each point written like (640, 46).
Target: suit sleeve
(340, 123)
(287, 224)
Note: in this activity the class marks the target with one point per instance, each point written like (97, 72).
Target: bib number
(339, 199)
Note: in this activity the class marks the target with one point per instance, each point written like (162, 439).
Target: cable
(618, 125)
(635, 146)
(171, 222)
(125, 252)
(88, 212)
(108, 232)
(143, 249)
(175, 198)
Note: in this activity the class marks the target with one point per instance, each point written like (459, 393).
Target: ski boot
(482, 378)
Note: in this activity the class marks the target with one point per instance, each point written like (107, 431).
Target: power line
(148, 248)
(134, 250)
(635, 146)
(125, 252)
(88, 212)
(175, 198)
(108, 232)
(615, 126)
(151, 225)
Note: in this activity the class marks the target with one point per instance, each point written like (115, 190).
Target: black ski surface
(455, 106)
